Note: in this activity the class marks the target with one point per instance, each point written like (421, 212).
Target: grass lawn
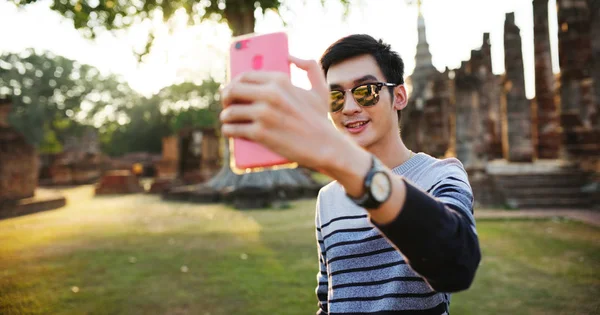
(140, 255)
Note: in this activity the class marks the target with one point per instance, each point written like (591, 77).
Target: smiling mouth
(356, 124)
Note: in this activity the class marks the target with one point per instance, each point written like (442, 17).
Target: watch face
(380, 187)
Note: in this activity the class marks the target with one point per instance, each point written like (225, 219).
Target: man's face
(366, 125)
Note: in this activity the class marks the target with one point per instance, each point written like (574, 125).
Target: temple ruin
(19, 173)
(543, 152)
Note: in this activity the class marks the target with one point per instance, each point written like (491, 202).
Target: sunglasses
(365, 95)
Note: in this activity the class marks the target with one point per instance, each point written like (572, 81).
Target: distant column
(437, 115)
(490, 93)
(517, 134)
(468, 131)
(168, 166)
(578, 107)
(548, 133)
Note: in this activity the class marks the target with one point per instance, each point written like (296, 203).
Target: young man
(395, 230)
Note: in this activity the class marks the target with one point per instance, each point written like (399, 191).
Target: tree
(150, 119)
(143, 132)
(54, 97)
(192, 105)
(92, 17)
(238, 14)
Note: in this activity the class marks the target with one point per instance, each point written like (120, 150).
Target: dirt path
(85, 193)
(588, 216)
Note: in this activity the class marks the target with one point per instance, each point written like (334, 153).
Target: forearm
(439, 243)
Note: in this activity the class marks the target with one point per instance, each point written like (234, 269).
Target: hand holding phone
(289, 122)
(268, 52)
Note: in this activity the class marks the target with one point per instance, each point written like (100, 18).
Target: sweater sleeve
(435, 231)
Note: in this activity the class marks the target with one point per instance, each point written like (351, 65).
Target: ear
(400, 97)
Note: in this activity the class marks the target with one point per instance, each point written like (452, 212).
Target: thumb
(315, 75)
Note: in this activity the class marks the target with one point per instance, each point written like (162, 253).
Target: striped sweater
(408, 266)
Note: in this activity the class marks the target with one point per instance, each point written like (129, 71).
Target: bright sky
(454, 28)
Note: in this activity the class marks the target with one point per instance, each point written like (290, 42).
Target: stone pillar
(548, 132)
(489, 90)
(170, 147)
(578, 107)
(168, 166)
(490, 95)
(517, 132)
(468, 131)
(436, 114)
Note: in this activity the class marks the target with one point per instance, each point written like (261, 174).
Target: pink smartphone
(268, 52)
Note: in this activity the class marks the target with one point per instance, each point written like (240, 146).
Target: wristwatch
(377, 187)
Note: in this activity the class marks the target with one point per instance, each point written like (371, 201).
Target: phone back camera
(238, 45)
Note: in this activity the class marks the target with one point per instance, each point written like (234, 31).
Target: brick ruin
(18, 162)
(518, 152)
(118, 182)
(19, 166)
(200, 157)
(80, 162)
(192, 156)
(167, 167)
(578, 58)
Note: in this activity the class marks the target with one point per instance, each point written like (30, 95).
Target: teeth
(356, 125)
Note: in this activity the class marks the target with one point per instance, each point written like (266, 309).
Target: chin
(364, 140)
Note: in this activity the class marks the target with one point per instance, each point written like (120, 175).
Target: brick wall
(18, 163)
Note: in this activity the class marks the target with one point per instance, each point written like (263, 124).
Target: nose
(350, 105)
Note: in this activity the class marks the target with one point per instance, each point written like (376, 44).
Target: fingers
(247, 113)
(315, 74)
(246, 131)
(237, 92)
(237, 114)
(263, 77)
(242, 92)
(257, 118)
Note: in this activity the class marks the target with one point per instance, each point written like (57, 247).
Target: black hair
(390, 63)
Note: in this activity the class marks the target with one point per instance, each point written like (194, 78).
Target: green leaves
(170, 110)
(92, 17)
(54, 96)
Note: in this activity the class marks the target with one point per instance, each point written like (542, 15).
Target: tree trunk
(240, 18)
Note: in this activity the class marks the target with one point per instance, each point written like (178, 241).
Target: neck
(391, 150)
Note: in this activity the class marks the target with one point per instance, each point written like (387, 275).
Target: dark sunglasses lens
(337, 101)
(366, 95)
